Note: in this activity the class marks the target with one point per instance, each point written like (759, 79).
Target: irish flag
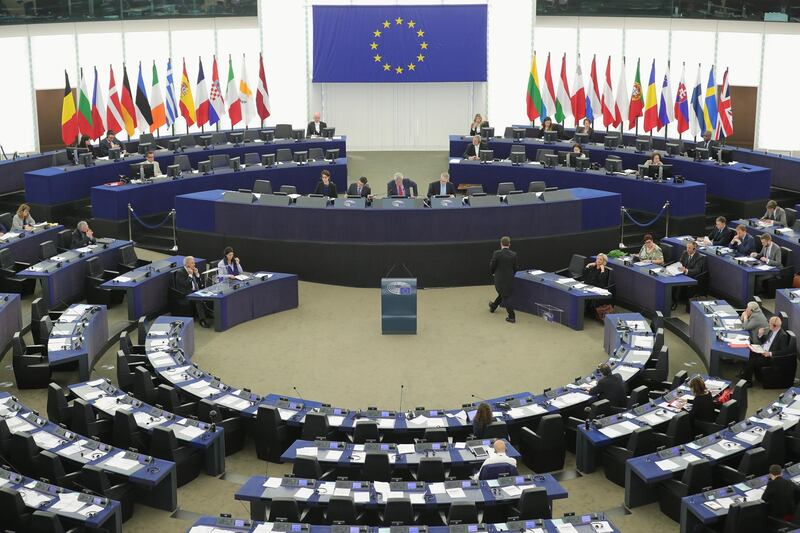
(534, 96)
(157, 108)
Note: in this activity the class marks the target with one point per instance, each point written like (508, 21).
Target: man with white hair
(185, 281)
(83, 235)
(497, 456)
(443, 187)
(753, 320)
(773, 343)
(401, 186)
(316, 126)
(473, 150)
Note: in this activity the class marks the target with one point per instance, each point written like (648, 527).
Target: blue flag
(399, 43)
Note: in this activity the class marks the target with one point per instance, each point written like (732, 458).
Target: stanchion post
(666, 229)
(622, 227)
(174, 234)
(130, 227)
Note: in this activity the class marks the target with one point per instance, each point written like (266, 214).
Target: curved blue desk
(10, 319)
(24, 248)
(79, 334)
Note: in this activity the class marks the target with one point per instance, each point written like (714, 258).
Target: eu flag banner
(393, 43)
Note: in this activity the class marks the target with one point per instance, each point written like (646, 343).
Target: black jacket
(104, 147)
(470, 151)
(780, 345)
(611, 388)
(593, 276)
(311, 131)
(721, 237)
(80, 239)
(779, 496)
(435, 188)
(703, 408)
(329, 191)
(695, 265)
(391, 188)
(352, 190)
(710, 145)
(182, 283)
(503, 266)
(555, 127)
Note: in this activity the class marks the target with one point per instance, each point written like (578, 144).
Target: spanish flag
(186, 99)
(69, 118)
(533, 98)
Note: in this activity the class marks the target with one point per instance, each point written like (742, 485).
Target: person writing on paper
(473, 151)
(703, 403)
(316, 126)
(82, 236)
(325, 186)
(22, 219)
(691, 264)
(107, 144)
(359, 188)
(596, 273)
(775, 213)
(610, 387)
(185, 281)
(150, 159)
(498, 457)
(770, 253)
(443, 187)
(229, 266)
(779, 495)
(651, 252)
(743, 243)
(483, 417)
(400, 186)
(774, 342)
(475, 127)
(721, 235)
(753, 320)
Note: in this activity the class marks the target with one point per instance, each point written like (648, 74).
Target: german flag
(69, 118)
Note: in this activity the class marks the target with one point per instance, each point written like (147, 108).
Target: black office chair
(219, 160)
(188, 460)
(52, 469)
(505, 188)
(125, 371)
(183, 162)
(775, 443)
(95, 277)
(598, 409)
(283, 155)
(462, 513)
(57, 406)
(284, 509)
(315, 154)
(175, 402)
(638, 396)
(95, 479)
(219, 137)
(435, 435)
(639, 443)
(64, 240)
(14, 515)
(679, 431)
(575, 268)
(9, 281)
(128, 259)
(283, 131)
(376, 467)
(233, 424)
(542, 152)
(752, 463)
(740, 395)
(517, 149)
(31, 367)
(40, 331)
(144, 388)
(785, 275)
(307, 467)
(746, 517)
(39, 310)
(126, 434)
(142, 327)
(656, 375)
(134, 352)
(262, 187)
(341, 510)
(533, 503)
(316, 427)
(47, 522)
(146, 138)
(791, 217)
(726, 416)
(364, 431)
(48, 249)
(475, 190)
(697, 476)
(537, 186)
(271, 434)
(288, 189)
(24, 453)
(430, 470)
(252, 158)
(398, 512)
(84, 420)
(543, 450)
(496, 430)
(6, 220)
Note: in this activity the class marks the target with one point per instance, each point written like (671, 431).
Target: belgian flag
(69, 118)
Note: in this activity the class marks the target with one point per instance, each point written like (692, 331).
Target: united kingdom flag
(725, 122)
(682, 104)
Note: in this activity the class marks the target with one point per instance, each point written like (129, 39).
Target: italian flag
(232, 94)
(534, 96)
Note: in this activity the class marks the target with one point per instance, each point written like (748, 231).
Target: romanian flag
(637, 105)
(128, 111)
(69, 120)
(651, 102)
(186, 99)
(533, 97)
(710, 111)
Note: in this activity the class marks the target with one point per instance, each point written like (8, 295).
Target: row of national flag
(698, 111)
(131, 110)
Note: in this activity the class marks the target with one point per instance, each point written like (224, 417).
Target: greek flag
(172, 109)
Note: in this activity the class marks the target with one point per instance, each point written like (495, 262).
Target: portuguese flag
(533, 97)
(637, 105)
(69, 120)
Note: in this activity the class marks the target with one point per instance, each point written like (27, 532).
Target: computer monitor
(518, 134)
(550, 160)
(267, 135)
(643, 145)
(332, 155)
(565, 158)
(86, 159)
(724, 155)
(144, 148)
(487, 133)
(673, 148)
(114, 154)
(641, 170)
(613, 164)
(611, 140)
(298, 135)
(582, 163)
(205, 167)
(205, 141)
(517, 158)
(268, 160)
(486, 156)
(236, 137)
(300, 157)
(174, 145)
(328, 133)
(142, 171)
(551, 136)
(173, 171)
(664, 171)
(581, 138)
(700, 153)
(235, 163)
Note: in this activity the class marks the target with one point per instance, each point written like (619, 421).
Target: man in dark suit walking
(503, 266)
(359, 188)
(441, 187)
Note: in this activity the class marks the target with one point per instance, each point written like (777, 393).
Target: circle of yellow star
(420, 33)
(387, 66)
(386, 24)
(411, 66)
(411, 23)
(423, 45)
(420, 58)
(373, 45)
(377, 58)
(398, 21)
(399, 70)
(376, 33)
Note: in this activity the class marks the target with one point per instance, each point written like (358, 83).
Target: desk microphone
(299, 395)
(478, 397)
(401, 399)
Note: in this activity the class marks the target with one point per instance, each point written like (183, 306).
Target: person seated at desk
(610, 387)
(692, 264)
(585, 128)
(770, 253)
(743, 243)
(775, 213)
(442, 187)
(150, 159)
(475, 127)
(651, 252)
(325, 186)
(185, 281)
(597, 274)
(483, 417)
(400, 186)
(108, 143)
(473, 151)
(229, 266)
(774, 342)
(708, 143)
(22, 219)
(360, 188)
(85, 145)
(721, 235)
(315, 127)
(498, 457)
(753, 320)
(82, 236)
(548, 125)
(655, 160)
(703, 403)
(779, 495)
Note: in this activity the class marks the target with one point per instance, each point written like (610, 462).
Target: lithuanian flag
(69, 119)
(533, 97)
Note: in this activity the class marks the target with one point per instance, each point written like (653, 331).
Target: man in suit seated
(770, 253)
(779, 495)
(473, 151)
(773, 342)
(498, 457)
(107, 144)
(150, 159)
(610, 387)
(359, 188)
(82, 236)
(441, 187)
(401, 186)
(775, 213)
(315, 127)
(186, 281)
(721, 235)
(742, 242)
(693, 264)
(325, 186)
(708, 143)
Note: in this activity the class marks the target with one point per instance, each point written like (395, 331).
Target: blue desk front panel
(26, 247)
(650, 293)
(85, 344)
(12, 171)
(703, 331)
(10, 319)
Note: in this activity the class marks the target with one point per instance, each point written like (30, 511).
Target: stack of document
(59, 344)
